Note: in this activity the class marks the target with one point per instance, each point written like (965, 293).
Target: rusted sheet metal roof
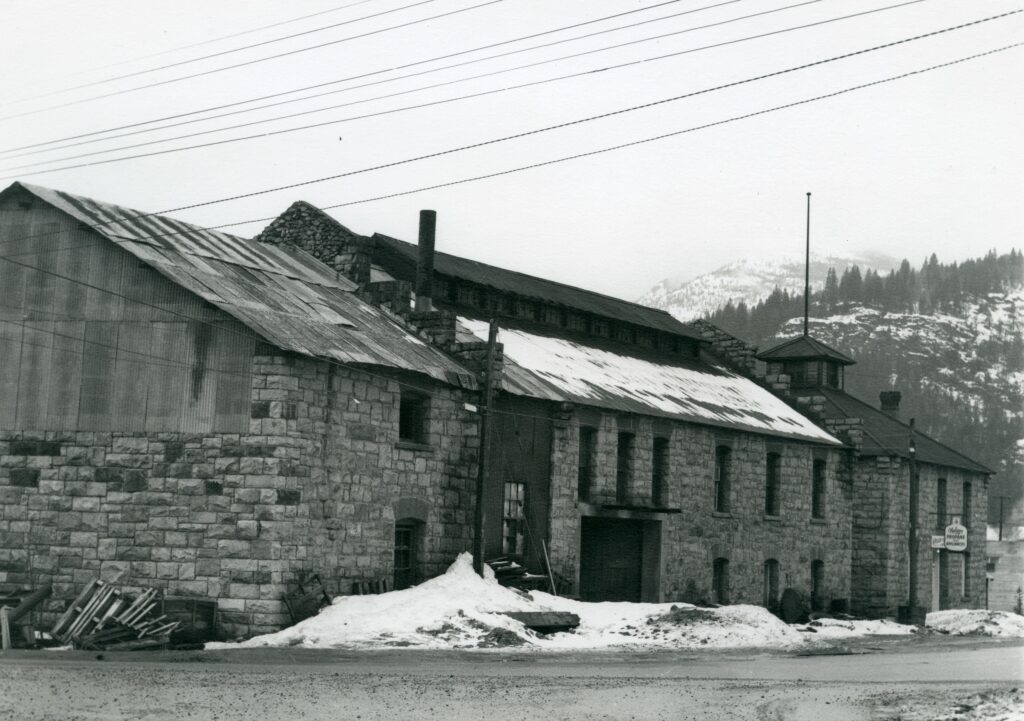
(804, 347)
(284, 295)
(397, 255)
(558, 369)
(887, 436)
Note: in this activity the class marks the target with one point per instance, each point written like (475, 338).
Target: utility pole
(481, 475)
(807, 269)
(915, 492)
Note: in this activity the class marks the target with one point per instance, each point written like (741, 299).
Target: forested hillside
(949, 336)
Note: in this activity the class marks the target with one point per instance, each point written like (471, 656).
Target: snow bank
(461, 610)
(831, 628)
(977, 622)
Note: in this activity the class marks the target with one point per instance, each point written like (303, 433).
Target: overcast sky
(930, 163)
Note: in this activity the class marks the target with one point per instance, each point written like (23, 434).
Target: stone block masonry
(315, 486)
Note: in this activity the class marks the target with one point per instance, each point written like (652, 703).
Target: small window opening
(772, 484)
(720, 580)
(771, 584)
(588, 457)
(659, 472)
(624, 467)
(412, 417)
(722, 472)
(818, 490)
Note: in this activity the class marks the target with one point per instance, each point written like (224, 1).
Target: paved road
(911, 681)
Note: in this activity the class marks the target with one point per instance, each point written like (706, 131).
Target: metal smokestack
(425, 264)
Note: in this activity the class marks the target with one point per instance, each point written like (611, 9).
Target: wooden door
(611, 559)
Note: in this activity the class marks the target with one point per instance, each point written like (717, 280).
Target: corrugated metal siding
(284, 295)
(74, 357)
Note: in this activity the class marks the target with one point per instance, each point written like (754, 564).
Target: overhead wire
(331, 122)
(579, 121)
(251, 62)
(630, 144)
(210, 41)
(357, 77)
(227, 52)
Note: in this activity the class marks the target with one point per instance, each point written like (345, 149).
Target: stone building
(189, 410)
(621, 447)
(951, 487)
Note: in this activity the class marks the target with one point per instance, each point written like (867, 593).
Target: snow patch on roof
(694, 392)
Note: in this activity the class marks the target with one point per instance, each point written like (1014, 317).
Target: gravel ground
(909, 681)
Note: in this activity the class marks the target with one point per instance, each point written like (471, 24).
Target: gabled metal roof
(283, 294)
(559, 369)
(804, 347)
(885, 435)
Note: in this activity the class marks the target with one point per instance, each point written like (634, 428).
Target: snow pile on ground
(457, 609)
(977, 622)
(830, 628)
(461, 610)
(666, 625)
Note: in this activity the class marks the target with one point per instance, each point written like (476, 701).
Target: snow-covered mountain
(962, 375)
(750, 280)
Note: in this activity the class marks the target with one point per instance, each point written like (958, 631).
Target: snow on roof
(564, 370)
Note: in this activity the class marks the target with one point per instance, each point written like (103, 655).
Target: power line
(210, 41)
(602, 115)
(334, 82)
(537, 165)
(251, 62)
(316, 125)
(226, 52)
(518, 168)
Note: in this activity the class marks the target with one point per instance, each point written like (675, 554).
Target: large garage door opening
(619, 559)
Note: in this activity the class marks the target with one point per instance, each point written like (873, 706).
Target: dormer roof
(804, 347)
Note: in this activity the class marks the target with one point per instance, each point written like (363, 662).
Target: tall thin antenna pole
(807, 269)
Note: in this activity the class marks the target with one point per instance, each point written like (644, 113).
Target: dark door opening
(406, 556)
(611, 560)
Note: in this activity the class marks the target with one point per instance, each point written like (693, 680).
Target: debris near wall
(105, 618)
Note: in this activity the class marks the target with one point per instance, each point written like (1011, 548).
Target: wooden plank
(235, 348)
(79, 599)
(5, 629)
(41, 285)
(166, 387)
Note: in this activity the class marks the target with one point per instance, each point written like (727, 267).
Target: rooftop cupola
(809, 363)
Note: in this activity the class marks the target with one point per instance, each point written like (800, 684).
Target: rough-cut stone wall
(315, 486)
(881, 559)
(693, 538)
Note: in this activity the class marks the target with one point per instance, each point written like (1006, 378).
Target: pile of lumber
(104, 618)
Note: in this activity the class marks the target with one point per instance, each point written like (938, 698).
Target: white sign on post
(938, 541)
(956, 536)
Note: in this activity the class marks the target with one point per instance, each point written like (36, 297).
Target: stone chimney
(890, 402)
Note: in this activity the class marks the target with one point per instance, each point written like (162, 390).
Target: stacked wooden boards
(103, 617)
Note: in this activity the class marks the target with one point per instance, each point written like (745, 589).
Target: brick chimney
(425, 262)
(890, 402)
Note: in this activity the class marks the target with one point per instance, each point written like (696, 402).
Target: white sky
(930, 163)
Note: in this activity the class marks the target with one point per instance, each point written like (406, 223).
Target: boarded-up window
(513, 522)
(723, 461)
(720, 580)
(587, 461)
(818, 490)
(772, 484)
(659, 471)
(623, 467)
